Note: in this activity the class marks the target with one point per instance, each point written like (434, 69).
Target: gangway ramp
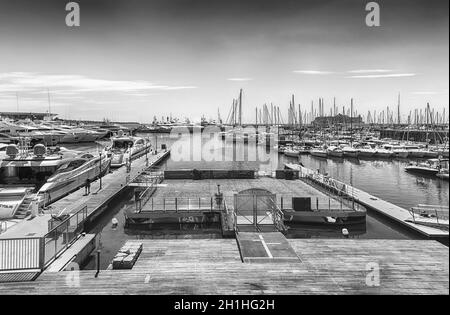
(268, 247)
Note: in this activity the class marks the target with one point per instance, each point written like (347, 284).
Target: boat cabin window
(30, 175)
(70, 166)
(122, 144)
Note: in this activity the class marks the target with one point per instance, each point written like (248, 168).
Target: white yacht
(72, 174)
(415, 152)
(50, 174)
(318, 152)
(366, 151)
(127, 148)
(429, 167)
(335, 151)
(291, 152)
(350, 152)
(383, 153)
(398, 150)
(2, 151)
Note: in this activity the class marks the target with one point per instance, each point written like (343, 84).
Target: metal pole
(100, 174)
(98, 264)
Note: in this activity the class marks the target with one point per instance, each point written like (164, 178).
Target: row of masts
(270, 114)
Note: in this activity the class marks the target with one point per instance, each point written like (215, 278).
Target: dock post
(98, 264)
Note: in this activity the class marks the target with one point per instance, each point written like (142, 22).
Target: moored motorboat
(415, 152)
(383, 153)
(443, 174)
(291, 152)
(72, 174)
(366, 152)
(399, 151)
(429, 167)
(431, 154)
(335, 152)
(350, 152)
(127, 148)
(303, 150)
(318, 152)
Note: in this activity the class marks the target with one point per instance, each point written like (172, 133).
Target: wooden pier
(112, 185)
(387, 209)
(214, 266)
(35, 249)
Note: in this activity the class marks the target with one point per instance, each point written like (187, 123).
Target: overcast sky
(130, 60)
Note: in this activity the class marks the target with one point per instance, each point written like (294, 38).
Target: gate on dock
(256, 210)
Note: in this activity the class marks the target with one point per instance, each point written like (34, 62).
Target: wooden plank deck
(214, 267)
(265, 248)
(179, 188)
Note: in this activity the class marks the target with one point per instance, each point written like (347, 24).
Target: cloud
(370, 71)
(240, 79)
(313, 72)
(36, 82)
(380, 76)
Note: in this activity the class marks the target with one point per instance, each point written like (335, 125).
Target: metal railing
(20, 254)
(430, 215)
(179, 204)
(150, 182)
(63, 235)
(345, 193)
(3, 227)
(37, 252)
(341, 203)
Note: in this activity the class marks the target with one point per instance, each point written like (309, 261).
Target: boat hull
(416, 154)
(383, 155)
(291, 154)
(351, 154)
(443, 176)
(421, 170)
(53, 191)
(120, 159)
(431, 155)
(366, 154)
(401, 154)
(335, 154)
(319, 154)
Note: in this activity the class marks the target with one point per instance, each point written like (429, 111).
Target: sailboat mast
(240, 107)
(49, 106)
(351, 123)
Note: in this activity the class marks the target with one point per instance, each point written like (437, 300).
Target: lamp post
(156, 143)
(100, 166)
(146, 154)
